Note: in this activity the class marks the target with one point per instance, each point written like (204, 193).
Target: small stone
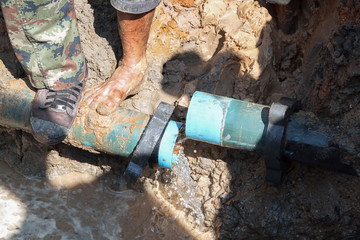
(172, 23)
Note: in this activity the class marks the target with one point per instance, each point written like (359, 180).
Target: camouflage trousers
(46, 41)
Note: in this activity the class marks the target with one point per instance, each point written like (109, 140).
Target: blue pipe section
(226, 122)
(116, 134)
(15, 100)
(237, 124)
(205, 117)
(120, 137)
(166, 156)
(214, 119)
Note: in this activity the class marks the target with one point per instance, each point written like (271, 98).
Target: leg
(134, 33)
(45, 40)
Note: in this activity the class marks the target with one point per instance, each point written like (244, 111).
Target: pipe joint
(279, 114)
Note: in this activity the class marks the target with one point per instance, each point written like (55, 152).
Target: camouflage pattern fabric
(134, 6)
(45, 39)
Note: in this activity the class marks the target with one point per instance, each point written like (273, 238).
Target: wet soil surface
(78, 206)
(248, 50)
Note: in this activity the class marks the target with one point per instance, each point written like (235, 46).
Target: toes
(116, 98)
(92, 97)
(88, 96)
(105, 110)
(109, 106)
(95, 100)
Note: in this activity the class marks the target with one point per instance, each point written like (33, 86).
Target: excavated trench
(246, 49)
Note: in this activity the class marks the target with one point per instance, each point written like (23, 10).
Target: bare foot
(125, 81)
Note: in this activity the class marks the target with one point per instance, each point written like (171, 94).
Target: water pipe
(124, 133)
(279, 132)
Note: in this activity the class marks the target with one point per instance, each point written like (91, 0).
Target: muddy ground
(245, 49)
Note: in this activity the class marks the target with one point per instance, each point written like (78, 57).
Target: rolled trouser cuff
(134, 6)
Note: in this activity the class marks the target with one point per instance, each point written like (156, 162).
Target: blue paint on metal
(119, 138)
(15, 110)
(87, 139)
(166, 156)
(205, 117)
(124, 137)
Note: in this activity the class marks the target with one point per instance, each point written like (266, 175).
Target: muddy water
(78, 206)
(186, 187)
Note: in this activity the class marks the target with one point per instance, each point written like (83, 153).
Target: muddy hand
(125, 81)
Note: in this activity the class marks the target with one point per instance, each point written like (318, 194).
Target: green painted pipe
(226, 122)
(237, 124)
(242, 125)
(117, 134)
(218, 120)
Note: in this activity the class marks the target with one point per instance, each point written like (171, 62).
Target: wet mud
(249, 50)
(78, 206)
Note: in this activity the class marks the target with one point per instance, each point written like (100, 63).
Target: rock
(185, 3)
(212, 10)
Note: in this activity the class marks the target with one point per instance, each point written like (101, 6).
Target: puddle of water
(12, 213)
(78, 206)
(71, 180)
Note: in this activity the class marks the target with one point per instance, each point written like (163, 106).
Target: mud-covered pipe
(116, 134)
